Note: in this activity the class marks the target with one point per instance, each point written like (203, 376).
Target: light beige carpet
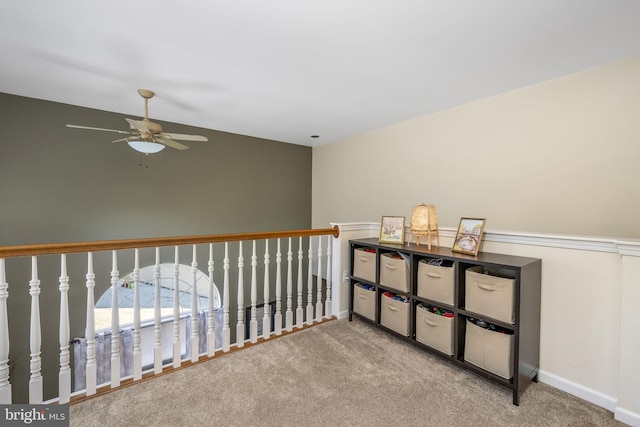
(339, 373)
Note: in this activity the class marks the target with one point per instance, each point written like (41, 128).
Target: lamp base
(429, 236)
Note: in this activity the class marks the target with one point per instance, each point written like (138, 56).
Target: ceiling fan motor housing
(154, 128)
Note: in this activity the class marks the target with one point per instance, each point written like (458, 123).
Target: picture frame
(469, 236)
(392, 229)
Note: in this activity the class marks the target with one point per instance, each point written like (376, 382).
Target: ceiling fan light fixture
(146, 147)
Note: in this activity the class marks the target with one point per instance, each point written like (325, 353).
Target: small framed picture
(392, 229)
(469, 236)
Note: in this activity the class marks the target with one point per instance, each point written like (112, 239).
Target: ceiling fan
(146, 136)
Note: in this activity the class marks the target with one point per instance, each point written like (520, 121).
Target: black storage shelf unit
(523, 359)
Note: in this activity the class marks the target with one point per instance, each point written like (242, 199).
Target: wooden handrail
(105, 245)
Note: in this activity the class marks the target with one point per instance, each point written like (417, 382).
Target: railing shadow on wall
(53, 296)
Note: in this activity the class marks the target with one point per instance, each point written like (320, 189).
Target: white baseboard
(627, 417)
(607, 402)
(578, 390)
(343, 314)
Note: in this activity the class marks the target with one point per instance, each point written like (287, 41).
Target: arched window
(126, 285)
(126, 291)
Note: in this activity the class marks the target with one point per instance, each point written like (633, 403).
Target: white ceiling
(289, 69)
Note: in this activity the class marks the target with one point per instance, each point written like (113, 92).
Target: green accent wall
(59, 184)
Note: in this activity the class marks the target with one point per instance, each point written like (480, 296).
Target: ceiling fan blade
(127, 139)
(102, 129)
(183, 137)
(138, 124)
(169, 142)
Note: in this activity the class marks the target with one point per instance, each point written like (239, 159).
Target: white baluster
(195, 327)
(327, 304)
(5, 385)
(253, 324)
(115, 322)
(319, 283)
(240, 337)
(90, 331)
(277, 318)
(226, 331)
(211, 326)
(288, 322)
(157, 317)
(176, 311)
(310, 285)
(266, 319)
(35, 340)
(64, 376)
(137, 349)
(299, 309)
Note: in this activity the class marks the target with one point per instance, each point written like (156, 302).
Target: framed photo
(469, 236)
(392, 229)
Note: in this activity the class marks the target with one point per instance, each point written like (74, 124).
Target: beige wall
(544, 164)
(556, 157)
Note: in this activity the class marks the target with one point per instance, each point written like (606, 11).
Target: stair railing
(285, 318)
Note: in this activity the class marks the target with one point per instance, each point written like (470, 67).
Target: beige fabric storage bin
(394, 315)
(364, 265)
(434, 330)
(364, 301)
(489, 350)
(489, 295)
(394, 271)
(436, 282)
